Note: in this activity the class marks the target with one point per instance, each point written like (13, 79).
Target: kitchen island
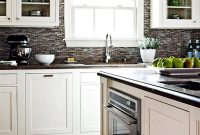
(165, 109)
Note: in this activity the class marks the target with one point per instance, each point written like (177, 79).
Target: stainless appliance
(19, 49)
(124, 113)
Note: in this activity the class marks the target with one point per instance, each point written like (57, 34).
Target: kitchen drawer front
(8, 79)
(90, 77)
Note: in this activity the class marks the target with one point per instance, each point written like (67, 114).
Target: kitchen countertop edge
(66, 66)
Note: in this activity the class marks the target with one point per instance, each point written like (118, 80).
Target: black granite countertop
(69, 66)
(149, 80)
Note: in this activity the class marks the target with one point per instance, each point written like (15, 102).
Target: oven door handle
(120, 115)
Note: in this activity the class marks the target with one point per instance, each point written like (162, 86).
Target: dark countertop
(69, 66)
(148, 80)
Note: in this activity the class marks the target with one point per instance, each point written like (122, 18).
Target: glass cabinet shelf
(177, 7)
(35, 3)
(2, 2)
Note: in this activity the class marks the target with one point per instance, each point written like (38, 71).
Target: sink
(190, 85)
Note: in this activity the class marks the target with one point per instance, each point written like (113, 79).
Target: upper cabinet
(5, 10)
(175, 14)
(29, 13)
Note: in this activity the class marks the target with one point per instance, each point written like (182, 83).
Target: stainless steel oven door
(120, 123)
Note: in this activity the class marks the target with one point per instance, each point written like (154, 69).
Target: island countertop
(150, 81)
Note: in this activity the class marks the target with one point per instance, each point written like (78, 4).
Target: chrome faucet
(108, 47)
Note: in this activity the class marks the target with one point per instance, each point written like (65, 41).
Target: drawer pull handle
(47, 75)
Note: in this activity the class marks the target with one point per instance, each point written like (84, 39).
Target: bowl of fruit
(174, 65)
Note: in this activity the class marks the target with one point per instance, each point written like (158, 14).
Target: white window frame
(70, 42)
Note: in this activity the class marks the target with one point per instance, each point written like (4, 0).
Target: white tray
(177, 71)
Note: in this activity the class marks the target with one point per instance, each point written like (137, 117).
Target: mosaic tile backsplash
(50, 40)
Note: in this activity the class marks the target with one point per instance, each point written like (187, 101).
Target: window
(91, 20)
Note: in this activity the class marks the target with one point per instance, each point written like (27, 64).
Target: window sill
(100, 43)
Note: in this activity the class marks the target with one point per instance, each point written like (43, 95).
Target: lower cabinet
(8, 111)
(48, 104)
(90, 108)
(165, 119)
(89, 103)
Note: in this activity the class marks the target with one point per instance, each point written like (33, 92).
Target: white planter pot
(147, 55)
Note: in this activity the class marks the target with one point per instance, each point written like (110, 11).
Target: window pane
(104, 2)
(125, 3)
(82, 2)
(124, 23)
(104, 22)
(83, 23)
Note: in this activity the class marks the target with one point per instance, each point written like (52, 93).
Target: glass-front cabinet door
(180, 12)
(39, 11)
(175, 14)
(5, 11)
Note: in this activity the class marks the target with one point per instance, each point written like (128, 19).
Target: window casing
(88, 21)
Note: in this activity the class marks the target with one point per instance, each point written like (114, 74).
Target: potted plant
(148, 48)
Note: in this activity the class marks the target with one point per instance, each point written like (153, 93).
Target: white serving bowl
(44, 59)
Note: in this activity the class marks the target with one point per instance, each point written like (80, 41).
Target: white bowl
(44, 59)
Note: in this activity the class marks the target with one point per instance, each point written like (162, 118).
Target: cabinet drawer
(6, 79)
(90, 77)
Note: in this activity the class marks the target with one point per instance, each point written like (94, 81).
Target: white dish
(45, 59)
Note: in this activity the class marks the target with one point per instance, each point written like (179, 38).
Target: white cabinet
(8, 111)
(165, 119)
(90, 107)
(48, 103)
(31, 13)
(5, 11)
(175, 14)
(90, 103)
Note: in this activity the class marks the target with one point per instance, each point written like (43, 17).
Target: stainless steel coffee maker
(19, 49)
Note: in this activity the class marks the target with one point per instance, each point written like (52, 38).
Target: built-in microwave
(124, 113)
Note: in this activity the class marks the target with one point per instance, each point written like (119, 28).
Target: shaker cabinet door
(48, 104)
(165, 119)
(8, 111)
(90, 108)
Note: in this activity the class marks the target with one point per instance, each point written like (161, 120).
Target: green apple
(160, 63)
(167, 63)
(196, 63)
(155, 61)
(178, 63)
(171, 58)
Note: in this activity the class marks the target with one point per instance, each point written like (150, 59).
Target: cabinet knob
(8, 18)
(194, 21)
(17, 18)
